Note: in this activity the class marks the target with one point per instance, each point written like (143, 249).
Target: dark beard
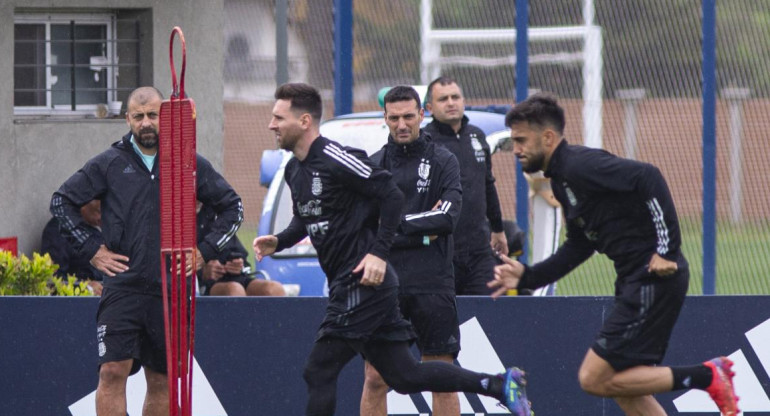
(144, 138)
(535, 164)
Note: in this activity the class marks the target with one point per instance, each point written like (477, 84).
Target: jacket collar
(554, 165)
(416, 146)
(446, 129)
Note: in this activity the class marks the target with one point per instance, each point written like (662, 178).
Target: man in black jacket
(351, 209)
(64, 255)
(474, 258)
(622, 208)
(229, 274)
(429, 177)
(130, 328)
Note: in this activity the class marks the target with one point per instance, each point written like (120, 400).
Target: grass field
(743, 262)
(246, 236)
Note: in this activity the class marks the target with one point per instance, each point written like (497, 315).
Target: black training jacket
(347, 205)
(426, 173)
(480, 198)
(129, 194)
(619, 207)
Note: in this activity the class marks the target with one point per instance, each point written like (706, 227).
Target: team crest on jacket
(317, 186)
(424, 172)
(424, 169)
(478, 150)
(570, 194)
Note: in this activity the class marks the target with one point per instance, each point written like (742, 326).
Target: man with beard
(129, 323)
(622, 208)
(351, 208)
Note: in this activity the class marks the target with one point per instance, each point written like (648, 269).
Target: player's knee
(265, 288)
(589, 382)
(596, 386)
(315, 375)
(403, 384)
(274, 289)
(113, 373)
(227, 289)
(374, 381)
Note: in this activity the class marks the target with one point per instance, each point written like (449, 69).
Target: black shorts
(365, 313)
(243, 279)
(473, 270)
(130, 326)
(639, 326)
(434, 319)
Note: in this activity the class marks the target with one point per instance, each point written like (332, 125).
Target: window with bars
(71, 63)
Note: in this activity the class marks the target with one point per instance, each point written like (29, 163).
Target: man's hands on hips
(108, 262)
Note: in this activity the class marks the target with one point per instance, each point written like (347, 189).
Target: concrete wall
(37, 155)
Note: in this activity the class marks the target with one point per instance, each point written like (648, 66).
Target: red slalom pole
(177, 158)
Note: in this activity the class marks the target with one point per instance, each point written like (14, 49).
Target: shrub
(21, 276)
(72, 287)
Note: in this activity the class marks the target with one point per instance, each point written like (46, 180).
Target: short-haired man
(622, 208)
(474, 258)
(429, 177)
(129, 322)
(351, 208)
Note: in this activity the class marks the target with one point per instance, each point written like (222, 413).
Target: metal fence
(645, 101)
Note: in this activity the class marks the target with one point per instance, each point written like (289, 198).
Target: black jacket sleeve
(293, 234)
(86, 184)
(442, 220)
(607, 173)
(57, 247)
(407, 241)
(296, 230)
(575, 250)
(377, 183)
(214, 191)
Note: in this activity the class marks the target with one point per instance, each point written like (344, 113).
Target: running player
(351, 209)
(622, 208)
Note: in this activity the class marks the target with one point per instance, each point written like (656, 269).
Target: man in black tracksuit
(130, 324)
(351, 209)
(474, 258)
(429, 177)
(229, 274)
(64, 255)
(622, 208)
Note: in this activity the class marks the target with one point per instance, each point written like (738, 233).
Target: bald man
(129, 322)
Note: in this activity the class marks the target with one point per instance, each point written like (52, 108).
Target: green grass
(743, 263)
(246, 235)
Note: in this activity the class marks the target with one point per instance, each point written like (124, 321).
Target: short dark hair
(144, 94)
(541, 109)
(401, 93)
(442, 80)
(304, 98)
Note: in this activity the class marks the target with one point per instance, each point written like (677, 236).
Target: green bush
(21, 276)
(72, 287)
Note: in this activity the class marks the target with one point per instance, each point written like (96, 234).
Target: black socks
(694, 377)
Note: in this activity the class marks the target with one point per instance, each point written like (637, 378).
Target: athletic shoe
(514, 392)
(721, 387)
